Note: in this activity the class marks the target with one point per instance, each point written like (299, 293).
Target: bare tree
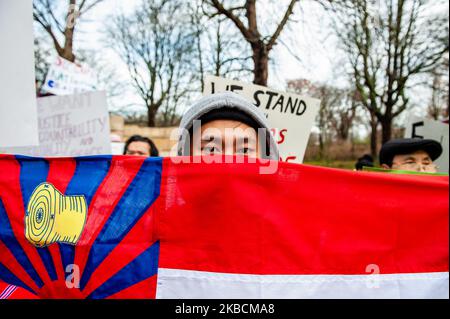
(261, 45)
(179, 94)
(344, 112)
(156, 46)
(388, 43)
(337, 112)
(218, 46)
(223, 57)
(41, 64)
(108, 78)
(438, 107)
(46, 13)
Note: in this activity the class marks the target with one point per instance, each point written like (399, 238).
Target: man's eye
(244, 150)
(210, 150)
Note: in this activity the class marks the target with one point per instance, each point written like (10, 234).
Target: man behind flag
(410, 154)
(226, 124)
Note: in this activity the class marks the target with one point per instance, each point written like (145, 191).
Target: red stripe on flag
(13, 202)
(144, 290)
(120, 175)
(17, 292)
(60, 172)
(301, 220)
(138, 240)
(3, 288)
(10, 262)
(59, 175)
(20, 294)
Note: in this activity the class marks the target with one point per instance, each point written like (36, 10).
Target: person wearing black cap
(364, 161)
(410, 154)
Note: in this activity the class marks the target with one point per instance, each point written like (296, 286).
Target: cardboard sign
(65, 77)
(290, 116)
(72, 125)
(430, 129)
(18, 115)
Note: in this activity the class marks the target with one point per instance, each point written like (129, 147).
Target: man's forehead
(214, 133)
(139, 144)
(225, 124)
(226, 127)
(418, 153)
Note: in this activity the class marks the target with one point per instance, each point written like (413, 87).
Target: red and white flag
(305, 232)
(133, 227)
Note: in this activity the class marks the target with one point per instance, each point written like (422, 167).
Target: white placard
(426, 128)
(18, 116)
(65, 77)
(117, 148)
(71, 125)
(290, 116)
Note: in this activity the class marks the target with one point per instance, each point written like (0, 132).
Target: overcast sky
(304, 38)
(309, 38)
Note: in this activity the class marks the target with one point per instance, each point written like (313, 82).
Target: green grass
(334, 164)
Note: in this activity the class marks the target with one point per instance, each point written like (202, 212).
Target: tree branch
(281, 25)
(239, 24)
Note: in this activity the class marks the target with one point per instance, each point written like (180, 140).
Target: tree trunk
(68, 46)
(68, 55)
(321, 146)
(386, 125)
(151, 116)
(200, 60)
(69, 34)
(352, 141)
(373, 136)
(261, 63)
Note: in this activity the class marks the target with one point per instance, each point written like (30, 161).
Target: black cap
(364, 161)
(407, 146)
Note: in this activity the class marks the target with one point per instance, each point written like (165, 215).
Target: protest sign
(72, 125)
(65, 77)
(18, 117)
(290, 116)
(117, 148)
(430, 129)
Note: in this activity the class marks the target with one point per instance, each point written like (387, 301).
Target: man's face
(226, 137)
(418, 161)
(138, 148)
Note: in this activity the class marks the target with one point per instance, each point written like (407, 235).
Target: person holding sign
(226, 124)
(410, 154)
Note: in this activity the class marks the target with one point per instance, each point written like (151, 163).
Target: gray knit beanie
(218, 101)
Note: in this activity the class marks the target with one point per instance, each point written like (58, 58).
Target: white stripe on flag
(9, 290)
(176, 284)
